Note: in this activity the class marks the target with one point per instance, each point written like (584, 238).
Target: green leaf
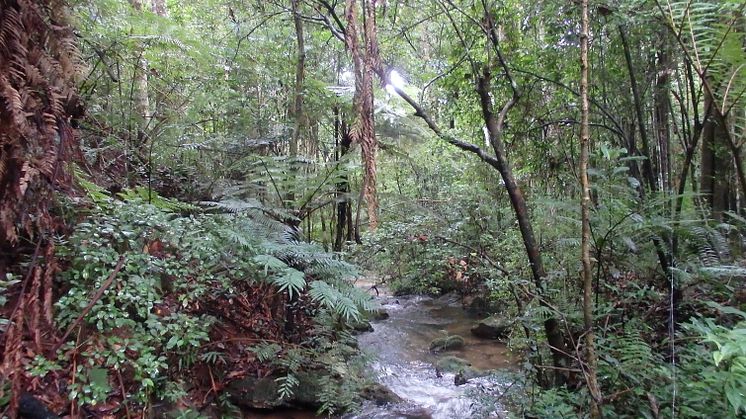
(99, 377)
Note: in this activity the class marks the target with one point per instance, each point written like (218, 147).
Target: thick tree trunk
(365, 63)
(715, 162)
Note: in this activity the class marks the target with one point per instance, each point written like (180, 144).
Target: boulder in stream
(491, 328)
(479, 304)
(461, 367)
(257, 393)
(361, 326)
(380, 394)
(447, 343)
(379, 314)
(452, 364)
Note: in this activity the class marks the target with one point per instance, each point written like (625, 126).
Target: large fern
(713, 38)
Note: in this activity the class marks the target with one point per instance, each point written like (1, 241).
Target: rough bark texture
(365, 63)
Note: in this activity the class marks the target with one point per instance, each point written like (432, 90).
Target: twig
(96, 297)
(550, 367)
(124, 395)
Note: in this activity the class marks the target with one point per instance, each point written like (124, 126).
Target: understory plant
(146, 288)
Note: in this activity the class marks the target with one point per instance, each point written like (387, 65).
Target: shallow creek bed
(445, 384)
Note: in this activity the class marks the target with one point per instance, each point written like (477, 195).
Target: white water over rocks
(403, 363)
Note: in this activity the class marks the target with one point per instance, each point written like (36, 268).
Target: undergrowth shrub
(154, 322)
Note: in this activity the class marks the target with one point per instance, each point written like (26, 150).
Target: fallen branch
(96, 297)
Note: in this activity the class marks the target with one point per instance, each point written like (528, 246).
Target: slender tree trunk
(647, 166)
(590, 351)
(552, 328)
(662, 112)
(343, 206)
(296, 111)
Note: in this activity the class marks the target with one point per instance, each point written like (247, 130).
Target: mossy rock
(461, 367)
(361, 326)
(448, 343)
(378, 315)
(262, 393)
(452, 364)
(491, 328)
(380, 394)
(258, 393)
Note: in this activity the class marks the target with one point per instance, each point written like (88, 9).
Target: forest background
(165, 161)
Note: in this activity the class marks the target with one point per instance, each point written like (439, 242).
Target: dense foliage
(219, 163)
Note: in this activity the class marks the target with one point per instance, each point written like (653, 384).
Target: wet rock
(448, 299)
(257, 393)
(306, 393)
(361, 326)
(380, 394)
(448, 343)
(460, 379)
(491, 328)
(262, 393)
(452, 364)
(461, 367)
(378, 315)
(478, 305)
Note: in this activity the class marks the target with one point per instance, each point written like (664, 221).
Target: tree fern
(706, 29)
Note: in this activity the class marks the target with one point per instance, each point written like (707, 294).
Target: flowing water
(404, 364)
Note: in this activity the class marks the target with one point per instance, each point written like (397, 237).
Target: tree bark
(714, 176)
(344, 205)
(296, 110)
(590, 350)
(495, 125)
(365, 65)
(662, 109)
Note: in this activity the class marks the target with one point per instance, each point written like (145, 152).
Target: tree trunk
(647, 164)
(590, 351)
(715, 163)
(365, 62)
(662, 109)
(343, 208)
(495, 128)
(296, 110)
